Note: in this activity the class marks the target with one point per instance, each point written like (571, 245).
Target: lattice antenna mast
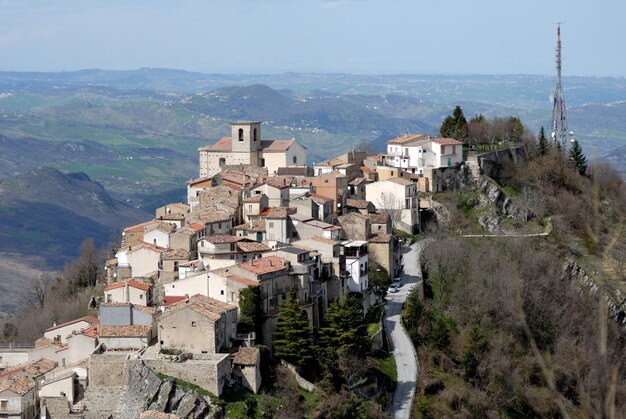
(560, 133)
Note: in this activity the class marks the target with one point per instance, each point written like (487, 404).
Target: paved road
(403, 349)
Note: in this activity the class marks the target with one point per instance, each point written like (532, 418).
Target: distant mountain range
(135, 134)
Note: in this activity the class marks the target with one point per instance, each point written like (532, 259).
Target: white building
(355, 252)
(245, 147)
(398, 198)
(128, 292)
(415, 152)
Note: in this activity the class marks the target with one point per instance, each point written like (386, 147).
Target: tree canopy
(577, 158)
(455, 125)
(346, 329)
(293, 336)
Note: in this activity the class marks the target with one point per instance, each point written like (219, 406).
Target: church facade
(246, 147)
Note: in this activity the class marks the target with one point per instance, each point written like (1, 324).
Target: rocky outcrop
(144, 391)
(616, 300)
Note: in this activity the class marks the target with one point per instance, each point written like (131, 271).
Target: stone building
(198, 325)
(246, 148)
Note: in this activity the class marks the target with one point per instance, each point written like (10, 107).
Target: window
(4, 405)
(222, 162)
(141, 296)
(245, 233)
(254, 134)
(249, 208)
(270, 224)
(109, 298)
(193, 324)
(240, 134)
(221, 292)
(295, 159)
(62, 362)
(232, 257)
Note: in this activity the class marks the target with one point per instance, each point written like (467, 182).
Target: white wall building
(414, 152)
(398, 198)
(355, 252)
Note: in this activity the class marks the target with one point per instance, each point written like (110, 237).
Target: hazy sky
(354, 36)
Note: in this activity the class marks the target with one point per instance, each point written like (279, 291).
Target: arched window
(240, 134)
(295, 159)
(254, 134)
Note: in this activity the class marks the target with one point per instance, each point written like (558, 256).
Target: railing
(17, 345)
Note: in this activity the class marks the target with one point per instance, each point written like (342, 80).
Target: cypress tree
(542, 146)
(577, 158)
(293, 336)
(346, 329)
(455, 125)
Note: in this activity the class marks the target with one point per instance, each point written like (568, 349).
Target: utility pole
(560, 134)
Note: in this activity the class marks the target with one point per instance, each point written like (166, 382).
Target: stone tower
(246, 136)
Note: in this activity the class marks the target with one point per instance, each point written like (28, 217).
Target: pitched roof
(319, 199)
(176, 254)
(257, 225)
(131, 331)
(335, 161)
(20, 379)
(276, 146)
(381, 218)
(278, 212)
(226, 274)
(254, 198)
(400, 181)
(89, 319)
(206, 306)
(246, 356)
(221, 238)
(265, 265)
(408, 138)
(131, 283)
(91, 331)
(358, 203)
(139, 226)
(161, 226)
(172, 299)
(186, 230)
(213, 217)
(196, 226)
(145, 245)
(446, 141)
(223, 144)
(252, 247)
(292, 171)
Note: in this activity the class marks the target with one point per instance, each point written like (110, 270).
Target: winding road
(401, 345)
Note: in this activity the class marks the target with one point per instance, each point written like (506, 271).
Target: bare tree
(37, 290)
(391, 205)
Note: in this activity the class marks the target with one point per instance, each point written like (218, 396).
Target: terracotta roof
(17, 384)
(407, 138)
(213, 216)
(196, 226)
(277, 182)
(265, 265)
(45, 342)
(206, 306)
(278, 212)
(446, 141)
(92, 332)
(247, 356)
(131, 283)
(236, 278)
(357, 181)
(139, 226)
(252, 247)
(134, 330)
(221, 238)
(351, 217)
(257, 225)
(381, 238)
(367, 170)
(186, 230)
(378, 218)
(39, 367)
(89, 319)
(176, 254)
(20, 379)
(193, 181)
(319, 198)
(358, 203)
(161, 226)
(293, 171)
(223, 144)
(145, 245)
(276, 146)
(171, 299)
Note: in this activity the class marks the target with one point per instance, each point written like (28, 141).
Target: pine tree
(577, 158)
(293, 336)
(346, 329)
(250, 310)
(455, 125)
(542, 146)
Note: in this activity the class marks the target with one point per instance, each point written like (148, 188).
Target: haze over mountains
(136, 133)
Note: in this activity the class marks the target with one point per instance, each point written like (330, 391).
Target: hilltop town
(256, 217)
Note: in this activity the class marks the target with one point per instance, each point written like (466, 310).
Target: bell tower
(246, 136)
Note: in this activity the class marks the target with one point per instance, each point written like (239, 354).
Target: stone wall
(302, 382)
(211, 375)
(108, 371)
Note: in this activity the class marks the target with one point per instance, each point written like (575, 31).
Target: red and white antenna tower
(560, 134)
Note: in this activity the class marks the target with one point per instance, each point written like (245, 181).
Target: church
(245, 147)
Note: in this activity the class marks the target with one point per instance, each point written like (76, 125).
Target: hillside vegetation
(506, 330)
